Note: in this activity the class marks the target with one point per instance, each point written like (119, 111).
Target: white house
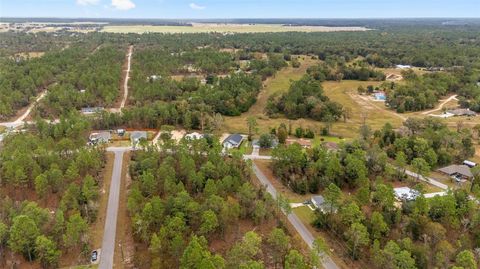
(319, 203)
(405, 194)
(194, 136)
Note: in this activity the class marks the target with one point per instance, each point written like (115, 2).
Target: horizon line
(239, 18)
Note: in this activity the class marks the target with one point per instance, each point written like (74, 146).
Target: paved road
(110, 230)
(429, 180)
(327, 262)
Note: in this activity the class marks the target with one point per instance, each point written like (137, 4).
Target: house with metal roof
(91, 110)
(233, 141)
(405, 194)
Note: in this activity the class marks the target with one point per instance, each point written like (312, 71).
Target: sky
(240, 8)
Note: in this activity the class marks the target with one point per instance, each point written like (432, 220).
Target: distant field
(224, 28)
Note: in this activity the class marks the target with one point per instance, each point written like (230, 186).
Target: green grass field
(223, 28)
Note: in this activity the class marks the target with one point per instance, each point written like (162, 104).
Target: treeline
(186, 197)
(337, 71)
(305, 99)
(93, 81)
(421, 46)
(22, 79)
(49, 186)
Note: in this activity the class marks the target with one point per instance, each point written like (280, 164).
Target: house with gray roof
(318, 202)
(233, 141)
(457, 171)
(137, 136)
(100, 137)
(462, 112)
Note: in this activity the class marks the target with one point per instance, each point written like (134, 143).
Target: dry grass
(224, 28)
(277, 84)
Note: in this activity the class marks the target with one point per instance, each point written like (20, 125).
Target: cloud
(123, 4)
(196, 7)
(87, 2)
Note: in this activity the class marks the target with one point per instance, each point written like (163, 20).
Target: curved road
(21, 120)
(444, 102)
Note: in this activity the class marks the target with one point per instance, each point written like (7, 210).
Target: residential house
(137, 136)
(91, 110)
(194, 136)
(402, 66)
(462, 112)
(458, 172)
(233, 141)
(100, 137)
(305, 143)
(318, 202)
(405, 194)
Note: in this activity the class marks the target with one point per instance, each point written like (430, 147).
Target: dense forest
(93, 81)
(186, 198)
(216, 55)
(438, 232)
(22, 79)
(305, 99)
(48, 191)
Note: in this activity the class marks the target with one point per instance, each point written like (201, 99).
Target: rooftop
(234, 139)
(457, 169)
(406, 193)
